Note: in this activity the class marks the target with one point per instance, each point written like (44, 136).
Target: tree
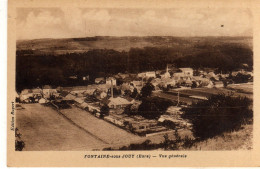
(194, 84)
(153, 108)
(104, 111)
(134, 94)
(147, 90)
(218, 114)
(127, 92)
(241, 78)
(225, 83)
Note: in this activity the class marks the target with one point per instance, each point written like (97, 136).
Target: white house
(48, 91)
(187, 71)
(25, 94)
(118, 102)
(136, 83)
(218, 84)
(99, 80)
(147, 74)
(150, 74)
(110, 81)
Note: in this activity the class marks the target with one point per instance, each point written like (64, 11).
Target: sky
(37, 23)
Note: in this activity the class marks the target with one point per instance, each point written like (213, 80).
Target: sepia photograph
(133, 79)
(125, 83)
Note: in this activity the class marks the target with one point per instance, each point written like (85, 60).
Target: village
(109, 98)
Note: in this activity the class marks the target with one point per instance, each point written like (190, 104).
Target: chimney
(178, 99)
(112, 94)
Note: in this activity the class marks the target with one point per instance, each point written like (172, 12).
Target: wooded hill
(52, 61)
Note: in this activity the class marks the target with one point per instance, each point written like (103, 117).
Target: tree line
(33, 70)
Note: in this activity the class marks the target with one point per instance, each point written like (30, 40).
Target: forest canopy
(35, 69)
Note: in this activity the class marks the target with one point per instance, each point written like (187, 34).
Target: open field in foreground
(43, 129)
(100, 129)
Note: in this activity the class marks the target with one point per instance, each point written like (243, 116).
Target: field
(173, 97)
(44, 129)
(243, 90)
(102, 130)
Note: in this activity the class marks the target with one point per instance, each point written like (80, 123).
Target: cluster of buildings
(117, 96)
(37, 95)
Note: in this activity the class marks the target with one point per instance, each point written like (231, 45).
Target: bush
(104, 111)
(147, 90)
(19, 144)
(153, 108)
(241, 78)
(218, 114)
(177, 143)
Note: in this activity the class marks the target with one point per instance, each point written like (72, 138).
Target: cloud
(76, 22)
(39, 26)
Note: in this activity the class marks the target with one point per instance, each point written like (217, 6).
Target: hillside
(79, 45)
(236, 140)
(53, 61)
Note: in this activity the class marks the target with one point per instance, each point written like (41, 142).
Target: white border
(3, 81)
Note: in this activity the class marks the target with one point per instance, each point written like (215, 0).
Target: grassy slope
(236, 140)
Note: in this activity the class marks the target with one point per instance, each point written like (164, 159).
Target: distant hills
(80, 45)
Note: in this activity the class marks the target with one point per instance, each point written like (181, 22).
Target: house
(147, 74)
(37, 91)
(78, 93)
(73, 77)
(141, 75)
(103, 95)
(85, 78)
(99, 94)
(69, 97)
(48, 91)
(118, 102)
(79, 100)
(187, 71)
(125, 86)
(88, 91)
(212, 75)
(42, 100)
(111, 80)
(121, 75)
(210, 85)
(100, 80)
(136, 83)
(182, 78)
(218, 84)
(25, 95)
(84, 106)
(93, 107)
(178, 76)
(103, 87)
(168, 81)
(188, 82)
(156, 81)
(201, 81)
(150, 74)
